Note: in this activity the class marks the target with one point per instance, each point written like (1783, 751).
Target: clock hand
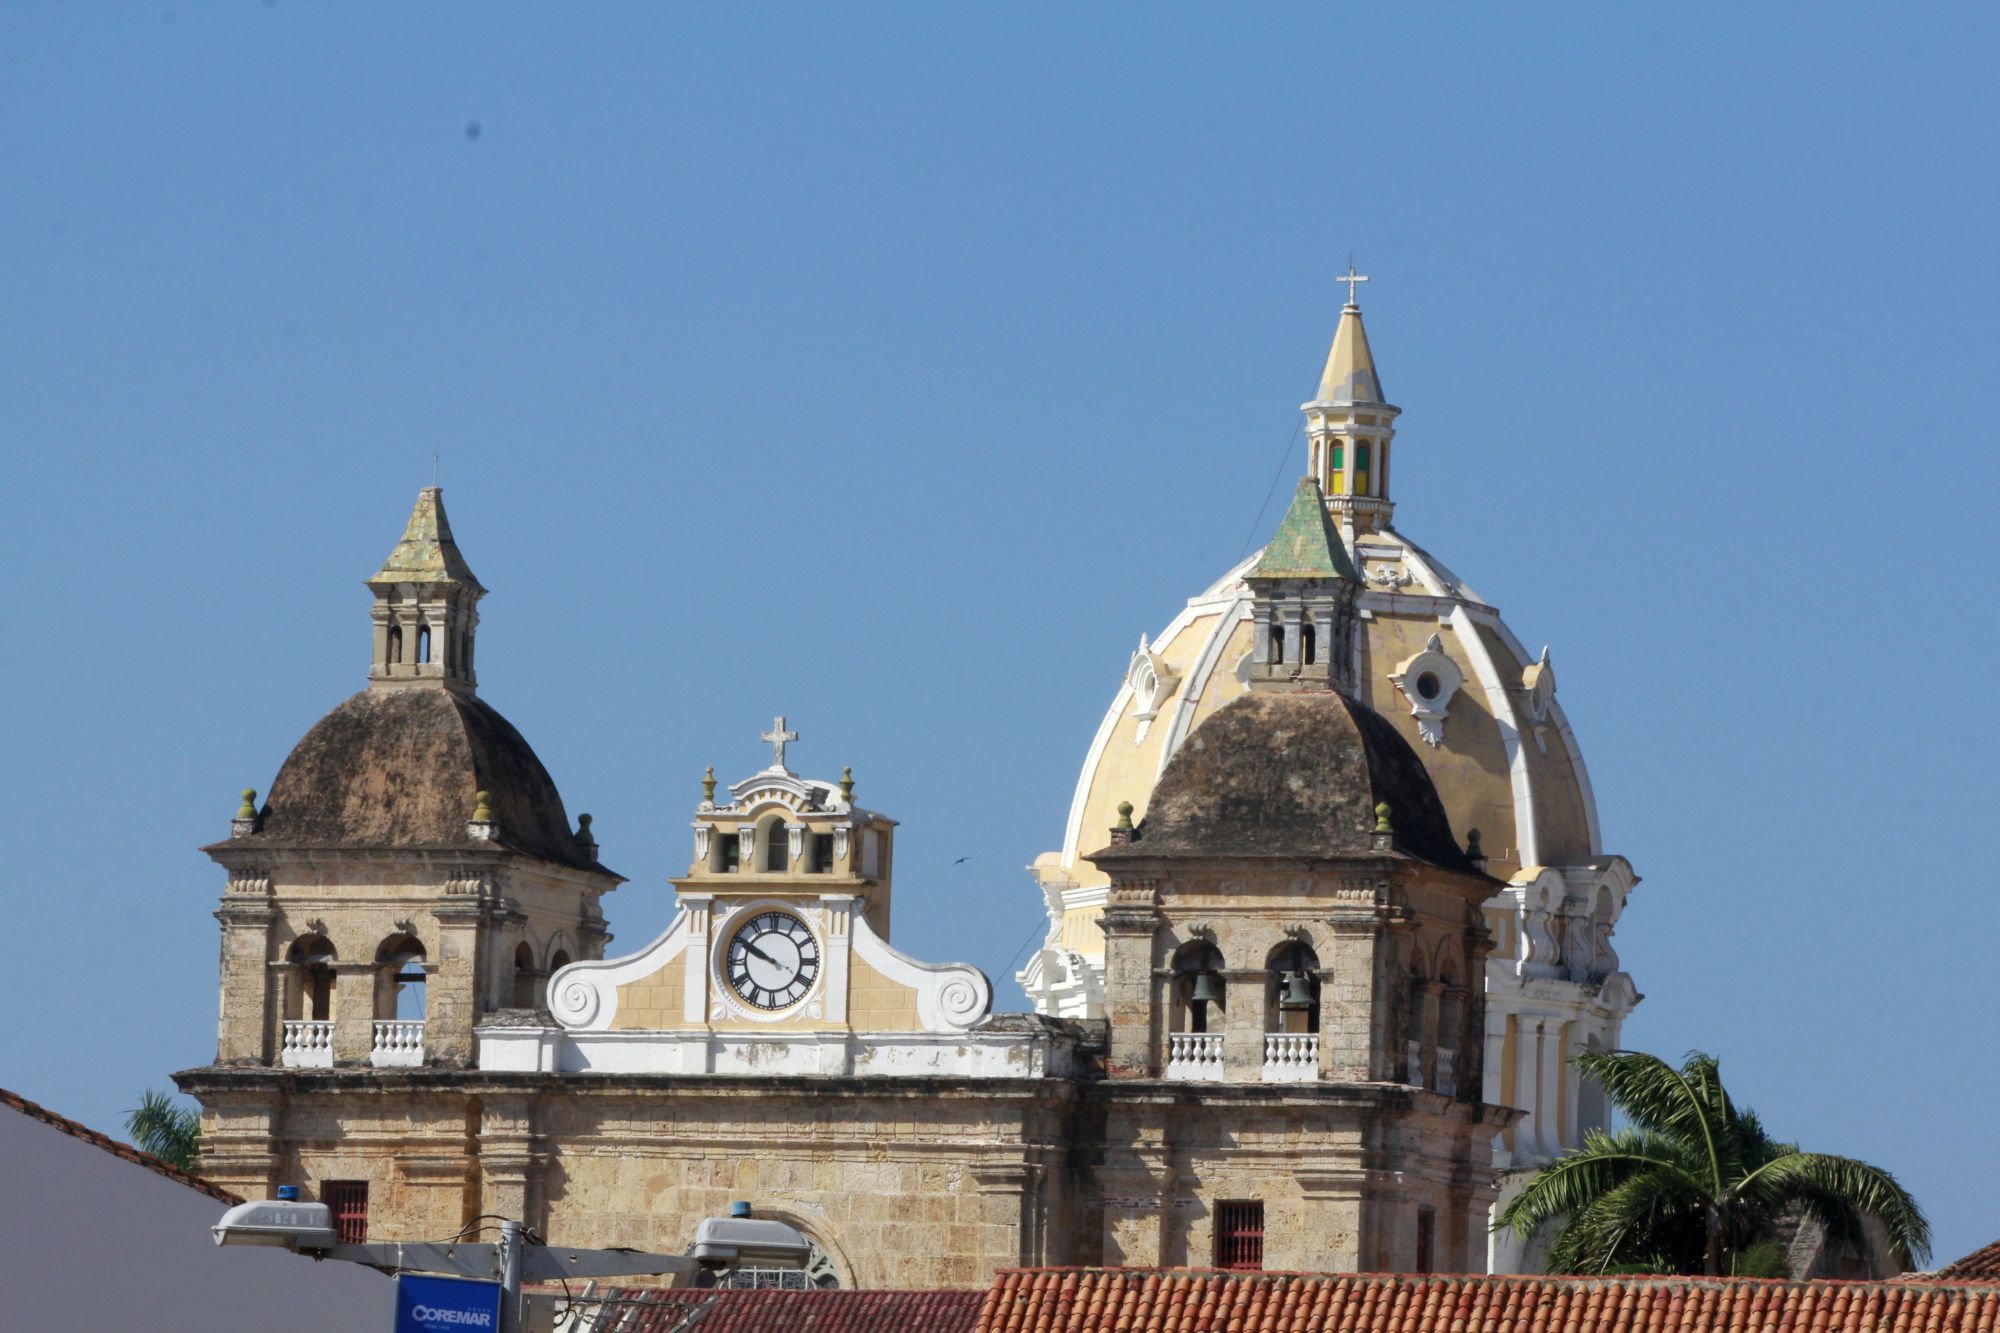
(748, 947)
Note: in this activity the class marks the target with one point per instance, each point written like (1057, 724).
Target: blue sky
(895, 367)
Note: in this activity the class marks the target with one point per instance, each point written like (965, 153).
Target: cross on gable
(1350, 278)
(778, 738)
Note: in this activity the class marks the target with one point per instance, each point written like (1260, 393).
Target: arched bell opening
(1200, 995)
(1291, 989)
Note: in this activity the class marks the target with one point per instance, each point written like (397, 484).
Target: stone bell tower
(412, 872)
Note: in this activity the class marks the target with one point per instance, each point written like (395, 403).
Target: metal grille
(349, 1201)
(1239, 1235)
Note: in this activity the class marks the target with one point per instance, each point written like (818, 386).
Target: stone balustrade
(399, 1043)
(1194, 1056)
(307, 1044)
(1291, 1057)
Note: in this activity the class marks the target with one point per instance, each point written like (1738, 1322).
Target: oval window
(1428, 685)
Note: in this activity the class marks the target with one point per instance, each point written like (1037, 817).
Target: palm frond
(168, 1131)
(1652, 1217)
(1602, 1164)
(1678, 1103)
(1837, 1192)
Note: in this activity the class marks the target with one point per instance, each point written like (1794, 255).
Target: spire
(425, 606)
(1349, 426)
(427, 554)
(1350, 376)
(1305, 545)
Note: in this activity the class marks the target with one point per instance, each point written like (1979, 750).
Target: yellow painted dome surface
(1505, 764)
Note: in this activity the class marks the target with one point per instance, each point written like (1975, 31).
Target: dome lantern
(1349, 425)
(425, 606)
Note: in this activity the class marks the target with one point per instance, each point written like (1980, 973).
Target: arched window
(424, 643)
(1277, 643)
(1413, 1026)
(558, 961)
(1337, 470)
(777, 854)
(403, 979)
(1291, 989)
(524, 976)
(1199, 994)
(1361, 469)
(1308, 643)
(309, 997)
(395, 645)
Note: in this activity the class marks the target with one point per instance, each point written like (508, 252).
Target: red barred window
(1239, 1235)
(349, 1201)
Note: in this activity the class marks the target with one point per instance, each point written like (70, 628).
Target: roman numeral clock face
(773, 960)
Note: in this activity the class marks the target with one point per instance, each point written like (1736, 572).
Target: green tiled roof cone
(1306, 546)
(427, 553)
(1350, 367)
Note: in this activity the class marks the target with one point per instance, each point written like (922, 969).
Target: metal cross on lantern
(1350, 278)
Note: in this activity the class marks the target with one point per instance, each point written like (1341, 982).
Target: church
(1328, 917)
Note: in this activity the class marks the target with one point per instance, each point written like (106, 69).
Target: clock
(772, 960)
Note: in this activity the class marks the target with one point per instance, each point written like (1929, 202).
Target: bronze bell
(1205, 990)
(1296, 992)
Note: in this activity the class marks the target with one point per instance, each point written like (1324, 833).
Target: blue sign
(446, 1305)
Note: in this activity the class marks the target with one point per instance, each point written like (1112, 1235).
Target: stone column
(353, 1011)
(507, 1183)
(1351, 1044)
(451, 999)
(1131, 921)
(1243, 1025)
(247, 1024)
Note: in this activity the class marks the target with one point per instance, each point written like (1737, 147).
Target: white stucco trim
(1501, 701)
(1074, 827)
(584, 995)
(951, 997)
(1570, 745)
(1232, 614)
(786, 1054)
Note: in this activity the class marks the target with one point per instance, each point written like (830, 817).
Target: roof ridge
(77, 1130)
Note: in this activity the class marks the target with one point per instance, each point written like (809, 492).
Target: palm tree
(1691, 1183)
(169, 1132)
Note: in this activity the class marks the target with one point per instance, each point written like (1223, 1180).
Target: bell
(1297, 991)
(1205, 990)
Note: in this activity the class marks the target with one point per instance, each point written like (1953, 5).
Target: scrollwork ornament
(575, 1002)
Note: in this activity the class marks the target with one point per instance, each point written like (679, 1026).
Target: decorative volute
(1349, 425)
(425, 606)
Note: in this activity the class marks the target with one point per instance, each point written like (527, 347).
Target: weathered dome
(401, 768)
(1294, 775)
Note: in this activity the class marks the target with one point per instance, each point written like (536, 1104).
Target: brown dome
(1293, 775)
(400, 769)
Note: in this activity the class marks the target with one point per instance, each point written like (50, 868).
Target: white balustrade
(1415, 1076)
(399, 1042)
(1447, 1071)
(1194, 1056)
(1291, 1057)
(307, 1044)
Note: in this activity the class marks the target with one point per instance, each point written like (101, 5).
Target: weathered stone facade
(1291, 1031)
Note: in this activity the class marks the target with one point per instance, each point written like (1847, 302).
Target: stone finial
(585, 838)
(708, 786)
(1122, 831)
(847, 785)
(1382, 821)
(245, 822)
(482, 827)
(1473, 851)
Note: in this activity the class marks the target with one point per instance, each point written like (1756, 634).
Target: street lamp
(721, 1243)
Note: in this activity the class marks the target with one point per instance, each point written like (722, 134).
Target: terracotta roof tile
(36, 1111)
(1982, 1265)
(779, 1311)
(1200, 1301)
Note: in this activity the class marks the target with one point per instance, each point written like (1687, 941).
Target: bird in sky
(961, 860)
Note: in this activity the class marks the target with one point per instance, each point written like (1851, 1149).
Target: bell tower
(1303, 592)
(1349, 426)
(426, 602)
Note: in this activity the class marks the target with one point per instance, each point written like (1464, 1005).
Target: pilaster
(1131, 920)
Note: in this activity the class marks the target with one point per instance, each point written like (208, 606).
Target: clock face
(773, 960)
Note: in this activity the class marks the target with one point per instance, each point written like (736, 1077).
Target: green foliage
(169, 1132)
(1695, 1185)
